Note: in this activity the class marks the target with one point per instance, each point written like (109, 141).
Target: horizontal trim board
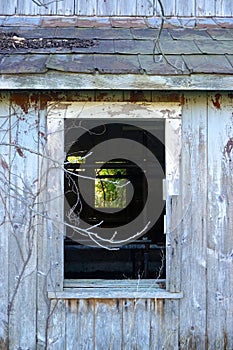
(71, 81)
(114, 293)
(84, 283)
(121, 110)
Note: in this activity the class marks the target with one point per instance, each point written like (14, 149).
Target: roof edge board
(72, 81)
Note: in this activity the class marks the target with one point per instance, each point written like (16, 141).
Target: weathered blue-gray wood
(65, 7)
(219, 261)
(22, 234)
(118, 7)
(202, 319)
(54, 197)
(4, 216)
(56, 327)
(69, 81)
(193, 221)
(205, 8)
(86, 7)
(43, 268)
(8, 7)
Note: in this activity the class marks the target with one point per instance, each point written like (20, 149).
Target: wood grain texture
(193, 222)
(163, 328)
(43, 266)
(118, 7)
(224, 8)
(8, 7)
(22, 235)
(205, 8)
(183, 7)
(65, 7)
(106, 7)
(169, 7)
(124, 8)
(56, 332)
(4, 217)
(119, 293)
(86, 7)
(145, 7)
(36, 7)
(202, 319)
(80, 317)
(173, 203)
(55, 201)
(108, 324)
(61, 81)
(135, 313)
(220, 222)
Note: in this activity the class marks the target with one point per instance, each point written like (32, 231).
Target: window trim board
(55, 118)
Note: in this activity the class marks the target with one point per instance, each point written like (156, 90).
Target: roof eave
(74, 81)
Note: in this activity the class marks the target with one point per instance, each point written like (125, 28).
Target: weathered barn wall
(117, 7)
(202, 319)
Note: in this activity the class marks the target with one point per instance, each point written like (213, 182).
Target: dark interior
(142, 258)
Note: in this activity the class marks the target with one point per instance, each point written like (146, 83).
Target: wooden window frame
(57, 287)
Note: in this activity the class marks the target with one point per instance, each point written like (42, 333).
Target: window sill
(102, 289)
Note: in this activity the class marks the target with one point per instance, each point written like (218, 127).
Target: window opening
(110, 205)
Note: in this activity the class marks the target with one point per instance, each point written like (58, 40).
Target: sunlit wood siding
(118, 7)
(202, 319)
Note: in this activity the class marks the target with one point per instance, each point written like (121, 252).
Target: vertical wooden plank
(80, 324)
(171, 324)
(36, 7)
(220, 223)
(126, 8)
(169, 8)
(4, 217)
(157, 334)
(185, 8)
(71, 320)
(224, 8)
(106, 7)
(164, 325)
(56, 331)
(136, 324)
(43, 268)
(193, 224)
(86, 7)
(173, 155)
(55, 203)
(145, 7)
(8, 7)
(65, 7)
(108, 324)
(205, 8)
(173, 204)
(23, 224)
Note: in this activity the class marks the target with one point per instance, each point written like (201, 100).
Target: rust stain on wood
(26, 101)
(22, 100)
(175, 97)
(101, 96)
(136, 96)
(183, 100)
(217, 101)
